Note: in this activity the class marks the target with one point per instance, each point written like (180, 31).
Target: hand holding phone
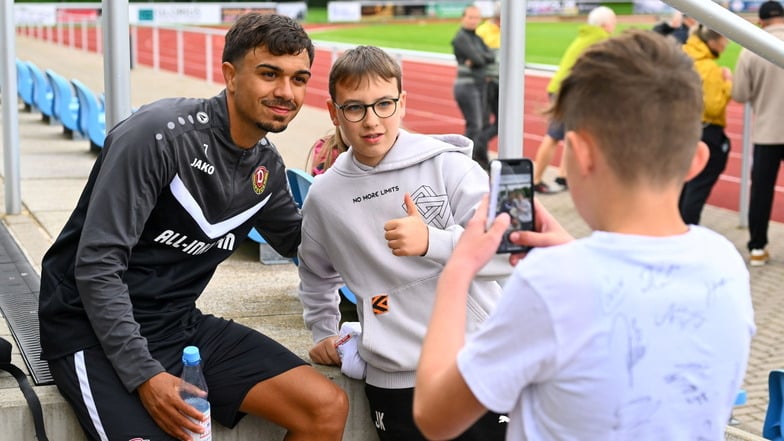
(511, 191)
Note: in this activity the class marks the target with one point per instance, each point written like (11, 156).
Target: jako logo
(380, 421)
(198, 164)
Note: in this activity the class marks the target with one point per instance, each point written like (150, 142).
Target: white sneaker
(758, 257)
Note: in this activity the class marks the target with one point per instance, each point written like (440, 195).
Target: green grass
(317, 15)
(545, 41)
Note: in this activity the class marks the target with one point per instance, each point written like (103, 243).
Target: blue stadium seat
(24, 84)
(66, 104)
(772, 427)
(299, 182)
(43, 97)
(92, 117)
(267, 254)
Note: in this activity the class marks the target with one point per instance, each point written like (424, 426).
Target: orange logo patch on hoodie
(380, 304)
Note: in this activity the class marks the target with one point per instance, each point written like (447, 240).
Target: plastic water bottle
(191, 373)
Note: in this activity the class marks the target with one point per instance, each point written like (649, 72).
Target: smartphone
(512, 191)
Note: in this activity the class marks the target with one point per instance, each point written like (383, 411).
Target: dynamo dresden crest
(259, 178)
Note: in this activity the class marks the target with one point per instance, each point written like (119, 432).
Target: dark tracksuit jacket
(168, 199)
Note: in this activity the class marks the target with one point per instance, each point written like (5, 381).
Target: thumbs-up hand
(407, 236)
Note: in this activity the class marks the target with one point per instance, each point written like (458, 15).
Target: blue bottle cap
(190, 355)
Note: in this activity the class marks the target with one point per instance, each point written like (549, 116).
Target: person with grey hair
(600, 24)
(761, 83)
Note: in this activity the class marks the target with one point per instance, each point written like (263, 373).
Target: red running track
(430, 108)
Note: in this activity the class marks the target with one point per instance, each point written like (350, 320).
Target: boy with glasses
(383, 220)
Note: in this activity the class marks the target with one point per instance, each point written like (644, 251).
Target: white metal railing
(55, 34)
(48, 33)
(745, 169)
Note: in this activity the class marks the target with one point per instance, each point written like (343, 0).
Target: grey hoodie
(343, 241)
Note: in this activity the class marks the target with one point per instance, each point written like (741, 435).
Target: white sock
(351, 364)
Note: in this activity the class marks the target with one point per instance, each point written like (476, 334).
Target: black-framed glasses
(355, 112)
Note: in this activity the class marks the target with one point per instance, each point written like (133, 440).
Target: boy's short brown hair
(363, 63)
(638, 96)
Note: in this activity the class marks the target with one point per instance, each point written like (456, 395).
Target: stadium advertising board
(358, 11)
(49, 14)
(353, 11)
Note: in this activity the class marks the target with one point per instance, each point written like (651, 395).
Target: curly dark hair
(281, 35)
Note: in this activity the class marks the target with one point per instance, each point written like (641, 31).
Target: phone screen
(511, 191)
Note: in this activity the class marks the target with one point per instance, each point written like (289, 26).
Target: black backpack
(27, 390)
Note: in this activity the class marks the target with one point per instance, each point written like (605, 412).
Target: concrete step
(61, 424)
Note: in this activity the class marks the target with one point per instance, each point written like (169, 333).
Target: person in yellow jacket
(704, 46)
(601, 23)
(490, 32)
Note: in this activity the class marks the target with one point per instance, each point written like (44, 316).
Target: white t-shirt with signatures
(617, 337)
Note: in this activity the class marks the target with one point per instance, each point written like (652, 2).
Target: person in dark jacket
(688, 25)
(676, 25)
(175, 190)
(470, 89)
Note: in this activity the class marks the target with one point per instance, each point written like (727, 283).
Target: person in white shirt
(641, 330)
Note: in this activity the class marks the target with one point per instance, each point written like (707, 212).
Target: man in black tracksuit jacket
(177, 187)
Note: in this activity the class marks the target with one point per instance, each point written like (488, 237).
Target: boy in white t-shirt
(641, 330)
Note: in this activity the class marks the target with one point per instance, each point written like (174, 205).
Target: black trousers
(490, 129)
(471, 98)
(696, 191)
(764, 171)
(392, 411)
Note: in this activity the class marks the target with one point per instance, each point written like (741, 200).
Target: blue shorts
(555, 129)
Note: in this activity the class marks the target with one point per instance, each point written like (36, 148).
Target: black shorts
(392, 412)
(234, 357)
